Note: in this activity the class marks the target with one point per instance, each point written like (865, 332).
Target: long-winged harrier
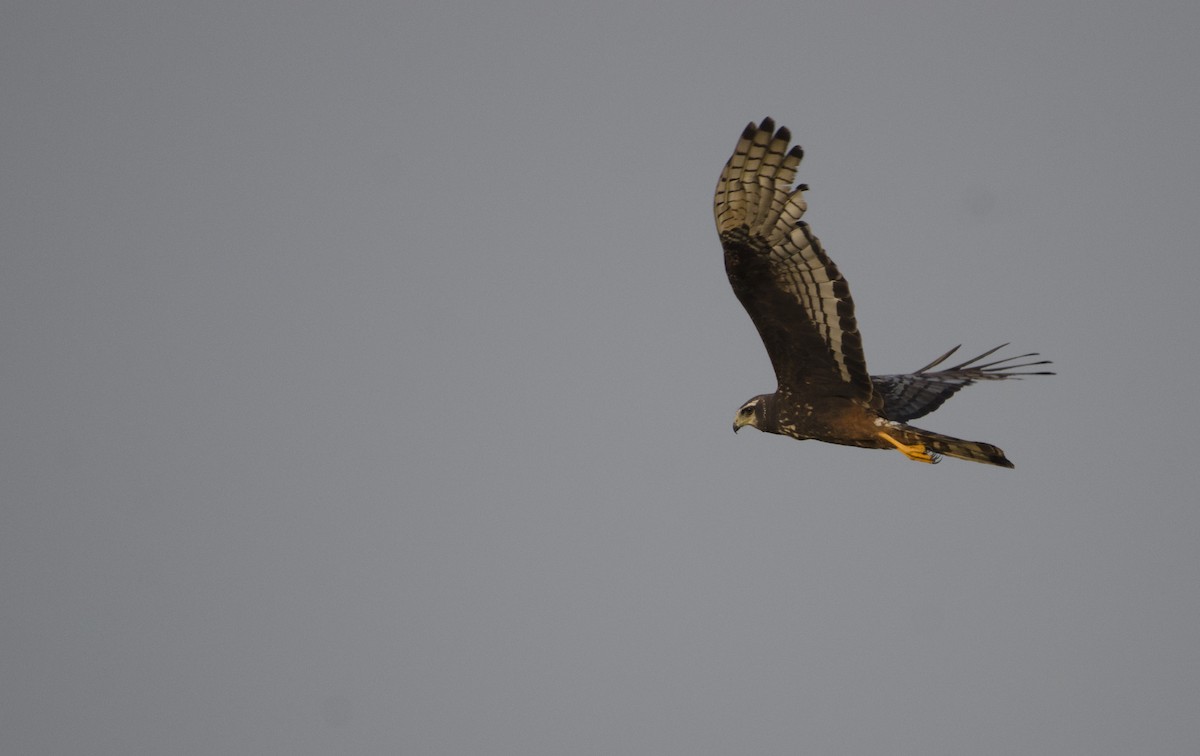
(802, 308)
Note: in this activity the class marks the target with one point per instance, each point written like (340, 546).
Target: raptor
(800, 304)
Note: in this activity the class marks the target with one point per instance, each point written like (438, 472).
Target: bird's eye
(747, 411)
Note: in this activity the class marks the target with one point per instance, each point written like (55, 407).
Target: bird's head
(751, 413)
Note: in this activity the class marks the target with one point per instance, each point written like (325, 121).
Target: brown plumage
(801, 306)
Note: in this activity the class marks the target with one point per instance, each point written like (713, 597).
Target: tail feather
(974, 451)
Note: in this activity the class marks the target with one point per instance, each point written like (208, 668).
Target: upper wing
(794, 293)
(910, 396)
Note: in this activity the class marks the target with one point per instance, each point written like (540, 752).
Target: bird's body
(802, 308)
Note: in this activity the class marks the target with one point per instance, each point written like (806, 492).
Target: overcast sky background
(367, 372)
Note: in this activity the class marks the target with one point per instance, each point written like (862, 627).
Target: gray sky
(368, 372)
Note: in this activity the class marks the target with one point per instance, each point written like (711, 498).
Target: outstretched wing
(793, 292)
(913, 395)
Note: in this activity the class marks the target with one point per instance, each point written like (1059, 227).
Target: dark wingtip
(767, 125)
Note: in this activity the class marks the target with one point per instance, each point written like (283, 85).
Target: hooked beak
(736, 427)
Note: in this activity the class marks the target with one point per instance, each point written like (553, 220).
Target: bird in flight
(801, 306)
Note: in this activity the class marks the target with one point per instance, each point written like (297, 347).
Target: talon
(915, 452)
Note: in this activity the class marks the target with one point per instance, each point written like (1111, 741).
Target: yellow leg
(916, 452)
